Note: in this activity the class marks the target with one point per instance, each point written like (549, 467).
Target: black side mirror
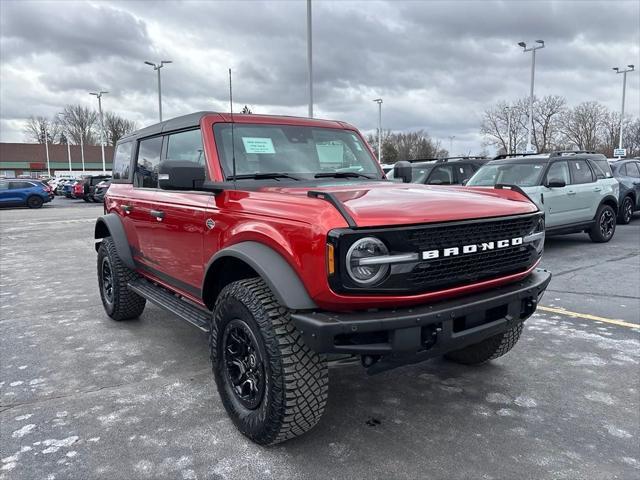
(464, 182)
(555, 183)
(180, 175)
(403, 170)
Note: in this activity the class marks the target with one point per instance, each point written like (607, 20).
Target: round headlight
(361, 271)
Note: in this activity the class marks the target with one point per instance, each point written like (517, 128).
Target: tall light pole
(46, 147)
(533, 72)
(624, 92)
(66, 135)
(379, 102)
(451, 138)
(309, 58)
(157, 68)
(99, 97)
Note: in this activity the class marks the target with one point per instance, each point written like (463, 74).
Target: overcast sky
(437, 65)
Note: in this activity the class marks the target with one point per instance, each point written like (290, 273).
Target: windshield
(521, 174)
(301, 152)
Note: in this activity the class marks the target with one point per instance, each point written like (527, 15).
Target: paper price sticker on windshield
(258, 145)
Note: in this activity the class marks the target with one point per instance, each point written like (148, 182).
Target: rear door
(559, 202)
(442, 175)
(633, 172)
(179, 231)
(588, 192)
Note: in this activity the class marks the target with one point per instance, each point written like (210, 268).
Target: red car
(281, 238)
(77, 190)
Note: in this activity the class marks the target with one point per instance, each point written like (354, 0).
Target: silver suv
(576, 190)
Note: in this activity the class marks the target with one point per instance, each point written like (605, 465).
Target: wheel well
(101, 230)
(228, 269)
(611, 202)
(631, 194)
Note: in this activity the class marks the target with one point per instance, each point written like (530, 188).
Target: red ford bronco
(282, 239)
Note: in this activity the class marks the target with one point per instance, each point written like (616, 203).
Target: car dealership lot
(85, 397)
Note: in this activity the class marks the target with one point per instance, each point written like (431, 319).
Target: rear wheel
(489, 349)
(626, 210)
(119, 302)
(34, 202)
(605, 225)
(273, 386)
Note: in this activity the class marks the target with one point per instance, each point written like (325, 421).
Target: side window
(17, 185)
(559, 171)
(4, 185)
(633, 169)
(441, 175)
(186, 147)
(580, 172)
(146, 174)
(122, 161)
(465, 172)
(622, 170)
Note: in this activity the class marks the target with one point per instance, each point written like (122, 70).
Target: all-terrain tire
(626, 210)
(599, 233)
(121, 303)
(34, 201)
(489, 349)
(295, 379)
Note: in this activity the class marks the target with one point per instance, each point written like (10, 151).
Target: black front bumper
(433, 329)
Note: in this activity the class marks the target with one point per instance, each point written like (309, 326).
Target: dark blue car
(627, 172)
(24, 193)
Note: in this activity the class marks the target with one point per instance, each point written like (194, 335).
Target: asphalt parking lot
(83, 397)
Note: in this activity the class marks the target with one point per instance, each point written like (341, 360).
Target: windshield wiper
(261, 176)
(342, 175)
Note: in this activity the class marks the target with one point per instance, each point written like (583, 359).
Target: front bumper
(432, 329)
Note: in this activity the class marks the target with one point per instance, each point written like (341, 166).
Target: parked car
(67, 189)
(89, 185)
(441, 171)
(286, 243)
(627, 172)
(576, 190)
(28, 193)
(77, 191)
(101, 190)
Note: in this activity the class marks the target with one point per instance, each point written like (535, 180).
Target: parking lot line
(588, 316)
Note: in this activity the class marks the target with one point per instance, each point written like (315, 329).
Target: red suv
(281, 238)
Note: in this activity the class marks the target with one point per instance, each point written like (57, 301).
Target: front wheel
(488, 349)
(626, 211)
(605, 225)
(272, 385)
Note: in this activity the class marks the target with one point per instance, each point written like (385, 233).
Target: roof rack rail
(559, 153)
(446, 159)
(507, 155)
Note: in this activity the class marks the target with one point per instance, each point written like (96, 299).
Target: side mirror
(464, 182)
(180, 175)
(403, 170)
(555, 183)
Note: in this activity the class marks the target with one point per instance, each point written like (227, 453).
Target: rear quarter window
(122, 161)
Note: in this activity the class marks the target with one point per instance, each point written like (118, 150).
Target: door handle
(571, 192)
(597, 189)
(158, 214)
(126, 208)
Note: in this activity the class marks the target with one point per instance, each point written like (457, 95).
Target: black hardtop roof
(546, 157)
(177, 123)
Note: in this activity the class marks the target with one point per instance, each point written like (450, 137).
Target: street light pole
(624, 92)
(99, 96)
(309, 58)
(379, 102)
(46, 148)
(157, 68)
(451, 137)
(533, 72)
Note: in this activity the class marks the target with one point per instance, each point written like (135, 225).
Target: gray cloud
(436, 64)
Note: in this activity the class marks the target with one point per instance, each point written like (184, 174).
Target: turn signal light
(331, 265)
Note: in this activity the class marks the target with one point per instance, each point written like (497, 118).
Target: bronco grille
(430, 274)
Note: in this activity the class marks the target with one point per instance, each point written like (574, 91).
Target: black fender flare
(281, 278)
(609, 199)
(110, 225)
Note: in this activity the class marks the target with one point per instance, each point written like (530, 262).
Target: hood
(386, 204)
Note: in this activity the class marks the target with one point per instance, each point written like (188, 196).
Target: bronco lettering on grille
(473, 248)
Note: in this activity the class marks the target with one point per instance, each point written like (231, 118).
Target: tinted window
(602, 168)
(146, 174)
(4, 185)
(580, 172)
(186, 146)
(622, 170)
(633, 170)
(122, 161)
(16, 185)
(559, 171)
(441, 175)
(465, 172)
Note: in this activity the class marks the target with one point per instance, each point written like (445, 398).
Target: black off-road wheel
(119, 302)
(34, 202)
(605, 225)
(626, 210)
(273, 386)
(489, 349)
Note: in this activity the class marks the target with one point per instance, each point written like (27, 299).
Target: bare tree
(406, 146)
(81, 122)
(547, 115)
(582, 125)
(504, 126)
(632, 138)
(246, 110)
(35, 128)
(116, 127)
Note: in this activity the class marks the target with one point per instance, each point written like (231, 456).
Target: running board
(163, 298)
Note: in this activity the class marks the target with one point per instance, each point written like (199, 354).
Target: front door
(559, 202)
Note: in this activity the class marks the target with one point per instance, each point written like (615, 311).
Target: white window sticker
(258, 145)
(330, 152)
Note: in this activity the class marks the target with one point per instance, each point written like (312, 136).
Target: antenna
(233, 141)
